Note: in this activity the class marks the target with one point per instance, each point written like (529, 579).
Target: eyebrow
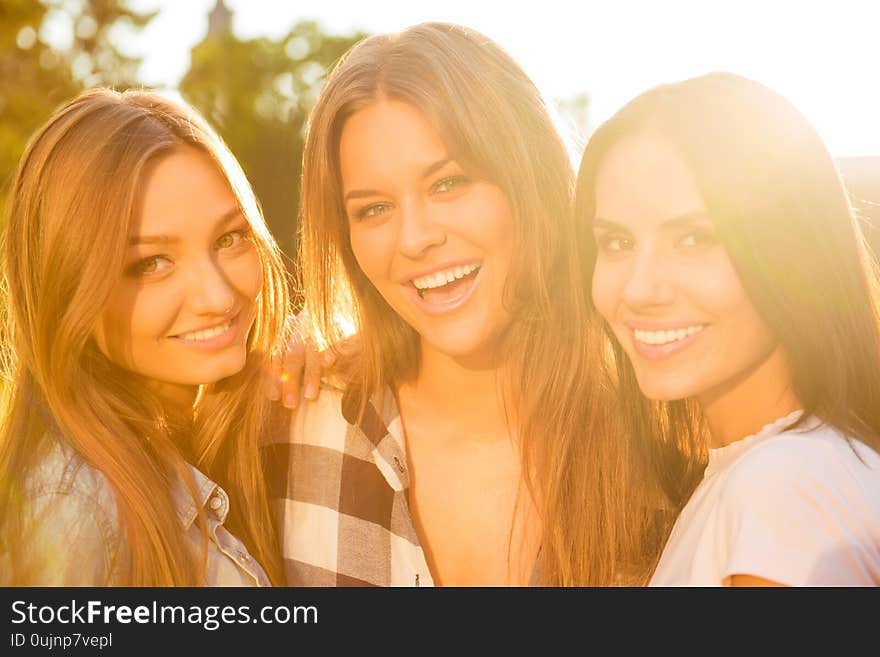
(673, 222)
(428, 170)
(226, 218)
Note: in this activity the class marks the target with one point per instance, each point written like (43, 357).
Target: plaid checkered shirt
(339, 491)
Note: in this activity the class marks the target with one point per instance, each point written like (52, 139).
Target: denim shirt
(77, 529)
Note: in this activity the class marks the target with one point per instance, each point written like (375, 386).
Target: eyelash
(137, 268)
(244, 234)
(376, 209)
(606, 241)
(457, 181)
(703, 238)
(371, 211)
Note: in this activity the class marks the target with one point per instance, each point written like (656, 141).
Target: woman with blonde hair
(143, 298)
(459, 445)
(744, 303)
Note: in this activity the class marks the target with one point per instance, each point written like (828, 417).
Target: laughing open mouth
(445, 285)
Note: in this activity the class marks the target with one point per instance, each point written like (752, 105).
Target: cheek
(135, 314)
(718, 291)
(245, 274)
(714, 286)
(606, 288)
(373, 249)
(746, 331)
(488, 219)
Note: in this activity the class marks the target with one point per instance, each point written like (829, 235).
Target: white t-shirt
(797, 507)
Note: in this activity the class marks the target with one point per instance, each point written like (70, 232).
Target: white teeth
(207, 334)
(441, 278)
(665, 337)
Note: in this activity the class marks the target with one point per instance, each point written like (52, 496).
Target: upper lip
(437, 268)
(208, 326)
(642, 325)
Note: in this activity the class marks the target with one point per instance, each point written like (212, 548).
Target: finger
(328, 358)
(275, 379)
(312, 376)
(351, 346)
(294, 365)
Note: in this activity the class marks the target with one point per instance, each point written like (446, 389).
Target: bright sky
(824, 56)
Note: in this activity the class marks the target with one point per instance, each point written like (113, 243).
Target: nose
(649, 283)
(210, 290)
(418, 230)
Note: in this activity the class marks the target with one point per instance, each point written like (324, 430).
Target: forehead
(387, 139)
(180, 192)
(642, 180)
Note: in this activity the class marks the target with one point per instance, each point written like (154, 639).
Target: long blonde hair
(494, 121)
(67, 224)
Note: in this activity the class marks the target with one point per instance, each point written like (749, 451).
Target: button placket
(218, 503)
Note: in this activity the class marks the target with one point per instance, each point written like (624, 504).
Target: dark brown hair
(782, 212)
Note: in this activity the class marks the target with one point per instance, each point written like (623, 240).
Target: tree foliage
(258, 94)
(51, 50)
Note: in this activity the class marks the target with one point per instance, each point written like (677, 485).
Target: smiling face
(664, 281)
(434, 240)
(180, 314)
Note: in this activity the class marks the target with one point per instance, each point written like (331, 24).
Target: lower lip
(220, 341)
(440, 309)
(661, 351)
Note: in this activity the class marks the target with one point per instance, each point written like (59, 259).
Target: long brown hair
(493, 120)
(67, 224)
(782, 212)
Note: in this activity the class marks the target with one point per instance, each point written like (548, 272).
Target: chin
(219, 371)
(463, 342)
(665, 389)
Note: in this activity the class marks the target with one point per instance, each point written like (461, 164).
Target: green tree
(99, 28)
(50, 51)
(258, 93)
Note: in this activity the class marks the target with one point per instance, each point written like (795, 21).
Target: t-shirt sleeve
(792, 512)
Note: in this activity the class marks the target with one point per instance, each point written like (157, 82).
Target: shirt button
(243, 556)
(216, 502)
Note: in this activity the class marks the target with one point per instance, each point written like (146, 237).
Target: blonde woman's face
(181, 311)
(664, 281)
(435, 241)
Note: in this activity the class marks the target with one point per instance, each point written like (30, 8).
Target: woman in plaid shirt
(458, 446)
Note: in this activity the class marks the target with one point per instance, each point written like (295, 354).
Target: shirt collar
(205, 490)
(381, 426)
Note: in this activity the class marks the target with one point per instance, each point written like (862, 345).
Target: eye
(449, 184)
(614, 243)
(697, 238)
(370, 211)
(233, 238)
(152, 266)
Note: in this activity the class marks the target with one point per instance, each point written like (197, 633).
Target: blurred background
(255, 67)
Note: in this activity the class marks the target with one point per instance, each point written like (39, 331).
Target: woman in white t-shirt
(732, 273)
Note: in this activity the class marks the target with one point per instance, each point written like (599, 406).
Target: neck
(177, 400)
(742, 406)
(464, 393)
